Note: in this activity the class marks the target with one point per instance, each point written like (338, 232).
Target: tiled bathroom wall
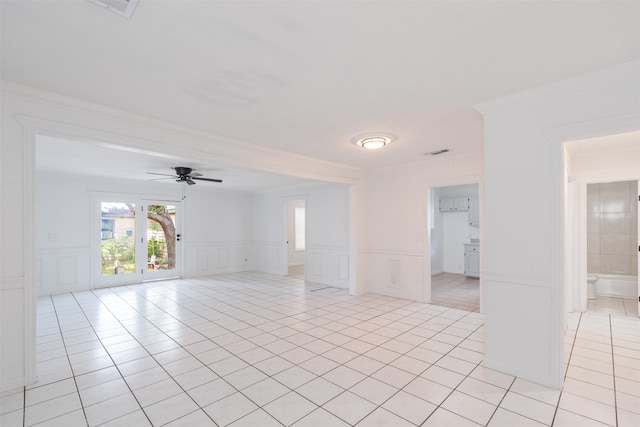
(612, 228)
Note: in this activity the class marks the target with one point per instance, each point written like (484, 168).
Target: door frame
(177, 271)
(429, 203)
(284, 267)
(576, 246)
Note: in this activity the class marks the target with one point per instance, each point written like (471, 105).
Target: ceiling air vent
(121, 7)
(435, 153)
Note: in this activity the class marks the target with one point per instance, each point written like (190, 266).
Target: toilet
(591, 286)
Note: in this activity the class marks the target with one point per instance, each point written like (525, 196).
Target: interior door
(161, 238)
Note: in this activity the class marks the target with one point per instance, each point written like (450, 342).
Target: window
(299, 221)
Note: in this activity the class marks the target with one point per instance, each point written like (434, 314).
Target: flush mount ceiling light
(373, 141)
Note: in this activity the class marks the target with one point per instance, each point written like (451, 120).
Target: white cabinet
(472, 260)
(446, 205)
(474, 212)
(458, 204)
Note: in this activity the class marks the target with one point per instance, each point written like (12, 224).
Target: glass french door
(139, 241)
(161, 240)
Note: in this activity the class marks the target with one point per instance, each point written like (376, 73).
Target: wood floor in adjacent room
(456, 291)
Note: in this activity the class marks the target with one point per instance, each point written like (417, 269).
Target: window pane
(118, 238)
(161, 237)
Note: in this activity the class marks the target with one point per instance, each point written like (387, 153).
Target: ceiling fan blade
(192, 174)
(206, 179)
(162, 174)
(161, 179)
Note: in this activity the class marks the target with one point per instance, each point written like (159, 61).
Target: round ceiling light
(373, 141)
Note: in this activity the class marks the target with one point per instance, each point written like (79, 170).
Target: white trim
(30, 323)
(558, 136)
(12, 283)
(558, 306)
(494, 276)
(584, 81)
(447, 182)
(386, 252)
(15, 383)
(195, 144)
(514, 371)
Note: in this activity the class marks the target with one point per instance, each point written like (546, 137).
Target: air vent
(121, 7)
(435, 153)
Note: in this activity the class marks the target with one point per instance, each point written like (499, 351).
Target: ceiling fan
(184, 174)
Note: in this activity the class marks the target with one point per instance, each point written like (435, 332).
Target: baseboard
(545, 381)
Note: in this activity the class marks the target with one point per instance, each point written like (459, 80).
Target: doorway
(602, 236)
(139, 240)
(612, 247)
(296, 238)
(454, 242)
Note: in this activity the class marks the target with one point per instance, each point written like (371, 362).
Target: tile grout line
(575, 337)
(55, 311)
(115, 365)
(161, 365)
(613, 367)
(500, 403)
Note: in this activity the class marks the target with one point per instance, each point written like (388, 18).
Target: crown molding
(246, 154)
(627, 70)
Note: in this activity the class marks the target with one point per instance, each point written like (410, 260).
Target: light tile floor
(257, 350)
(296, 271)
(455, 291)
(612, 305)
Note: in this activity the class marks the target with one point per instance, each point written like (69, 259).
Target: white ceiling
(308, 76)
(57, 155)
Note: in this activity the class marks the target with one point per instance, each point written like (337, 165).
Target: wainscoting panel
(328, 266)
(223, 258)
(316, 265)
(206, 259)
(202, 259)
(12, 326)
(395, 274)
(63, 270)
(343, 269)
(265, 257)
(67, 270)
(241, 256)
(275, 258)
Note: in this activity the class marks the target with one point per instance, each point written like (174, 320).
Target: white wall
(217, 236)
(397, 255)
(524, 180)
(327, 239)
